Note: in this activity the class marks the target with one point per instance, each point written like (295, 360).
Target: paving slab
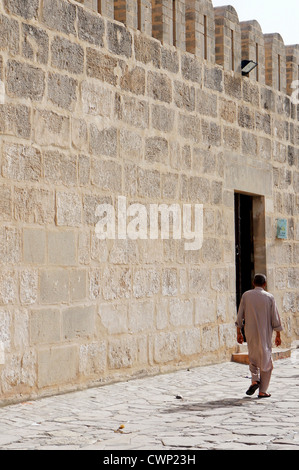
(204, 408)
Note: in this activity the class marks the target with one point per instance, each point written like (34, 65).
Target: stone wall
(93, 109)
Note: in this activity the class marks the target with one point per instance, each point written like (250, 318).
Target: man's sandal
(253, 388)
(267, 395)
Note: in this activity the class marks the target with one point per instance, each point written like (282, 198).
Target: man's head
(260, 280)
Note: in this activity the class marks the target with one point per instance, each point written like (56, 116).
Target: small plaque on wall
(282, 229)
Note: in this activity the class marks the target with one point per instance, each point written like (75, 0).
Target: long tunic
(259, 311)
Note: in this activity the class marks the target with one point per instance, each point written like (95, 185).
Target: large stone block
(15, 120)
(25, 81)
(21, 162)
(34, 246)
(10, 245)
(62, 91)
(91, 27)
(68, 209)
(67, 55)
(35, 45)
(141, 316)
(78, 322)
(114, 317)
(57, 365)
(101, 66)
(59, 15)
(54, 286)
(62, 248)
(159, 86)
(165, 347)
(51, 129)
(122, 353)
(23, 8)
(119, 39)
(45, 326)
(60, 168)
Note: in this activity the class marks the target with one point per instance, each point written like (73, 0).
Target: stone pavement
(212, 413)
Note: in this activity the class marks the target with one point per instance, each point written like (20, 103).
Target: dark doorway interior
(244, 237)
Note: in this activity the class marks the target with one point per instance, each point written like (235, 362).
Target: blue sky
(274, 16)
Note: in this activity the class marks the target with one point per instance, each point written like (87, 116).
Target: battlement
(213, 34)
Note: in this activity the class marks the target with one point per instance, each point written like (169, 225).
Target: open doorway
(250, 240)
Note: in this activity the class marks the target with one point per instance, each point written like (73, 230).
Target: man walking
(259, 312)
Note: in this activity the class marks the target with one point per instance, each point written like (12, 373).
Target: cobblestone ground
(202, 408)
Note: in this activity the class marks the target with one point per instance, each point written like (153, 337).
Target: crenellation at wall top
(187, 26)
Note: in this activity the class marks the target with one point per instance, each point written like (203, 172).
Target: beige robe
(259, 311)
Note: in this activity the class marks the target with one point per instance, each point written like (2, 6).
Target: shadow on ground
(210, 405)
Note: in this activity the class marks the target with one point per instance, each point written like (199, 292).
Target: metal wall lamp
(247, 66)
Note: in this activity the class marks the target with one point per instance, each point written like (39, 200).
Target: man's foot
(264, 395)
(253, 387)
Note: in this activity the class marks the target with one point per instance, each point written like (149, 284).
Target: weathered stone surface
(54, 286)
(59, 15)
(35, 44)
(22, 8)
(25, 81)
(67, 55)
(119, 39)
(9, 35)
(91, 28)
(62, 91)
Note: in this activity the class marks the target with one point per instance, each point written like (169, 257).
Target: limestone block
(132, 111)
(114, 317)
(8, 287)
(25, 81)
(5, 203)
(122, 353)
(101, 66)
(28, 286)
(62, 91)
(51, 129)
(169, 281)
(57, 365)
(205, 310)
(62, 248)
(78, 322)
(91, 27)
(27, 10)
(34, 246)
(67, 55)
(210, 338)
(159, 86)
(162, 118)
(190, 342)
(133, 80)
(79, 134)
(149, 183)
(141, 316)
(170, 60)
(9, 35)
(165, 347)
(15, 120)
(34, 205)
(106, 174)
(10, 245)
(68, 209)
(130, 145)
(181, 312)
(96, 99)
(191, 68)
(45, 325)
(103, 141)
(156, 150)
(184, 96)
(147, 50)
(54, 286)
(213, 78)
(35, 44)
(60, 168)
(117, 283)
(119, 39)
(198, 280)
(21, 162)
(59, 15)
(78, 283)
(92, 358)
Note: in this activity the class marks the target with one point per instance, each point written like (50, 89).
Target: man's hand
(277, 339)
(240, 338)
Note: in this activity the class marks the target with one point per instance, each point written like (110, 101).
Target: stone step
(241, 356)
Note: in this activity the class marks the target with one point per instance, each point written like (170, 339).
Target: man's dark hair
(259, 280)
